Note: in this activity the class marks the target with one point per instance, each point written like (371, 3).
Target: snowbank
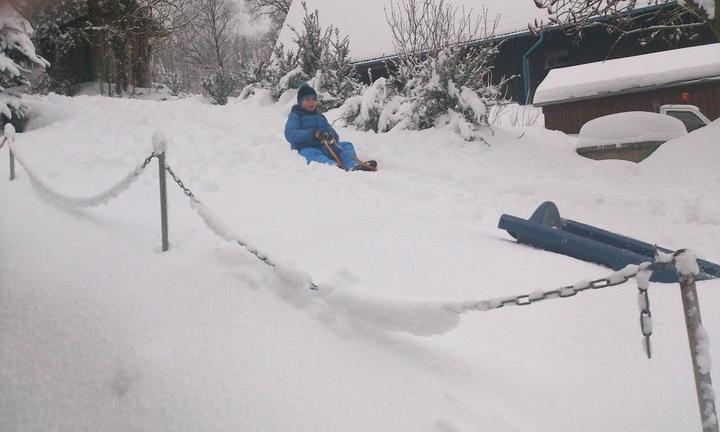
(117, 336)
(694, 154)
(630, 73)
(629, 127)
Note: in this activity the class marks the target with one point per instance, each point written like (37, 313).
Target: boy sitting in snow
(309, 132)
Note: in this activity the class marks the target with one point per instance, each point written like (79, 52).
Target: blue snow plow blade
(547, 230)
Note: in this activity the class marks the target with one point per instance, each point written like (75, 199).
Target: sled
(330, 144)
(548, 231)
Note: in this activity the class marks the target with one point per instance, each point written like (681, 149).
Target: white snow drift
(102, 331)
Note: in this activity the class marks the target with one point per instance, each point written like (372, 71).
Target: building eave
(629, 91)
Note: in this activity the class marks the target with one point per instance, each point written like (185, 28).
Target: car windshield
(689, 118)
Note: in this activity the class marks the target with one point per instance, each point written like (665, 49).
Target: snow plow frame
(546, 230)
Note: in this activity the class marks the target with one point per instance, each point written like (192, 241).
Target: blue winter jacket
(301, 126)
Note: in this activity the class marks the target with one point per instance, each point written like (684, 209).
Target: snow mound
(417, 318)
(699, 150)
(630, 127)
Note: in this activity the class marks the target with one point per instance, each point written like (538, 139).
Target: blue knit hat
(305, 91)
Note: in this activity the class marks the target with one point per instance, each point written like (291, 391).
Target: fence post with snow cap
(9, 133)
(687, 269)
(159, 147)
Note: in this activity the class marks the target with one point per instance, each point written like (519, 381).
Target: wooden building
(570, 97)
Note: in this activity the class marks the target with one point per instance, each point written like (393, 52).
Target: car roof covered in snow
(629, 74)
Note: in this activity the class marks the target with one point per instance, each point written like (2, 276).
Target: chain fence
(49, 192)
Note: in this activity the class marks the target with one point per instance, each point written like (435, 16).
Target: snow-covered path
(101, 331)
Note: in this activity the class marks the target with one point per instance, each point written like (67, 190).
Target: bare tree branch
(671, 19)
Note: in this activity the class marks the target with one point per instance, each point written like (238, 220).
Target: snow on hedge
(637, 72)
(630, 127)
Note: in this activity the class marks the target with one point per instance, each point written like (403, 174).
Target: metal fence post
(698, 340)
(9, 133)
(163, 201)
(12, 165)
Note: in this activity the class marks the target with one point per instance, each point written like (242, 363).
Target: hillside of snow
(100, 331)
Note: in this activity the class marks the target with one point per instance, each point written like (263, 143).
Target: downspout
(526, 66)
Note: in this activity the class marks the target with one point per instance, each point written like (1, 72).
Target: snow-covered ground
(100, 331)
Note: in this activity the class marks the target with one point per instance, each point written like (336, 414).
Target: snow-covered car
(632, 135)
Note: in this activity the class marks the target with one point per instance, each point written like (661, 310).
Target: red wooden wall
(570, 116)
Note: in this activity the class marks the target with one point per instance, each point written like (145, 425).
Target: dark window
(691, 120)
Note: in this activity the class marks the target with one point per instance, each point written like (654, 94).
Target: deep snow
(101, 331)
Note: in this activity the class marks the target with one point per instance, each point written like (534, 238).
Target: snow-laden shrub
(443, 74)
(454, 88)
(367, 111)
(17, 55)
(220, 85)
(290, 80)
(274, 73)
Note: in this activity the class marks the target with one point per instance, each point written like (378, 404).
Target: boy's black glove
(323, 136)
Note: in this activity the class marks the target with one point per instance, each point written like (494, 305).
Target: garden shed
(572, 96)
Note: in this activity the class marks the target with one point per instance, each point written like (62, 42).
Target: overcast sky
(247, 25)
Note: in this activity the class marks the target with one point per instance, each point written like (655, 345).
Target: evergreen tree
(312, 42)
(17, 56)
(60, 36)
(340, 79)
(323, 59)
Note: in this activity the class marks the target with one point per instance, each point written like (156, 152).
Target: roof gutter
(526, 66)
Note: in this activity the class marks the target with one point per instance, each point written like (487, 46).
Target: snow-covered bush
(220, 85)
(375, 108)
(437, 80)
(17, 55)
(275, 73)
(454, 88)
(173, 81)
(444, 78)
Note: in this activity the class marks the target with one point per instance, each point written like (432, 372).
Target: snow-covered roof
(370, 36)
(630, 74)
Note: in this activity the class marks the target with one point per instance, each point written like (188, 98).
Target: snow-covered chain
(56, 197)
(419, 318)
